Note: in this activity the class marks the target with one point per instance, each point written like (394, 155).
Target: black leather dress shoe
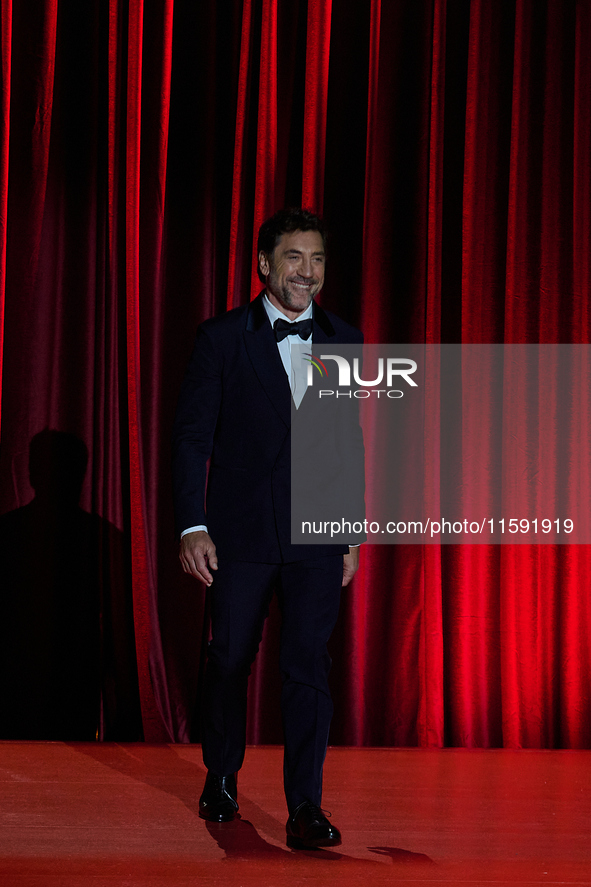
(308, 827)
(218, 801)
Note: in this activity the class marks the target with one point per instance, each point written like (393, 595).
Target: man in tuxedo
(235, 410)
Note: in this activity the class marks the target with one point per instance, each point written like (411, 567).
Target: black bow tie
(283, 328)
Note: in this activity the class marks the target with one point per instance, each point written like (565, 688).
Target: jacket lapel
(323, 330)
(261, 346)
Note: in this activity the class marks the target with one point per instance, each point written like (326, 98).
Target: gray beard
(288, 300)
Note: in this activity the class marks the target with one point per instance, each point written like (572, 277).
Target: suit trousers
(309, 597)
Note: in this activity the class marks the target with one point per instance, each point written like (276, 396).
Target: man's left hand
(350, 564)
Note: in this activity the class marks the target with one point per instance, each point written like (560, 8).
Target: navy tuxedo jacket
(235, 410)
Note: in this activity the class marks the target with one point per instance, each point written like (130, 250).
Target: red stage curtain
(448, 145)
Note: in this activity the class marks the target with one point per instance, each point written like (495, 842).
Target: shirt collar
(274, 313)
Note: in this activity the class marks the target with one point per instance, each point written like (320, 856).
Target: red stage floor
(92, 814)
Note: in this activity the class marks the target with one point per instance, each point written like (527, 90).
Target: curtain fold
(314, 130)
(6, 49)
(143, 142)
(237, 232)
(431, 717)
(265, 198)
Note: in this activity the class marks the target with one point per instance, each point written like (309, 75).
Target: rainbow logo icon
(316, 362)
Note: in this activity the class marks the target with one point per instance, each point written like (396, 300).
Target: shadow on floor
(160, 767)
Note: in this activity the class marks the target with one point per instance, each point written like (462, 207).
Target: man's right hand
(197, 554)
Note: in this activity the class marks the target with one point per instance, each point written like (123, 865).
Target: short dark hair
(285, 221)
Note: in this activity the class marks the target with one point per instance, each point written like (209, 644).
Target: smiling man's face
(294, 272)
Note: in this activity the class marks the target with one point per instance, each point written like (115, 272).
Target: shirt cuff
(201, 527)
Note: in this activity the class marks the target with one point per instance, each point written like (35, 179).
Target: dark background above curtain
(448, 146)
